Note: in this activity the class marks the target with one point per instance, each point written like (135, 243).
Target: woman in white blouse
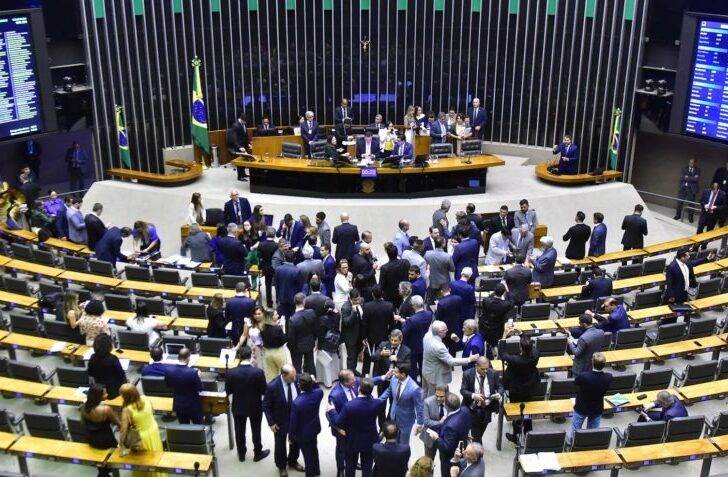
(342, 284)
(144, 323)
(196, 213)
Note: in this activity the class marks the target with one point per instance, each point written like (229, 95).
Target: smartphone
(533, 325)
(461, 446)
(697, 343)
(641, 396)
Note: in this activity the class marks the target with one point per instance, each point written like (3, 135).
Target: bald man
(345, 236)
(478, 117)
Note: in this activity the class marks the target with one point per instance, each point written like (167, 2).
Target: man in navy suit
(289, 281)
(108, 248)
(302, 328)
(449, 309)
(291, 230)
(237, 209)
(481, 390)
(277, 403)
(247, 386)
(309, 131)
(598, 239)
(186, 385)
(405, 402)
(454, 428)
(598, 286)
(390, 457)
(419, 285)
(676, 286)
(233, 252)
(345, 236)
(543, 266)
(343, 111)
(689, 177)
(712, 203)
(466, 292)
(616, 320)
(329, 269)
(635, 229)
(466, 255)
(404, 149)
(478, 116)
(238, 308)
(414, 330)
(589, 403)
(569, 161)
(438, 129)
(368, 146)
(305, 425)
(357, 421)
(156, 367)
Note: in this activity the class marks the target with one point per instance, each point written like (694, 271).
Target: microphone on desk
(197, 468)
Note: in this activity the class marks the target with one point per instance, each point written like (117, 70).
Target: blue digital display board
(707, 105)
(21, 112)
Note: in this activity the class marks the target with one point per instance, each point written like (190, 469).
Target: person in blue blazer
(404, 149)
(616, 320)
(438, 130)
(598, 286)
(305, 425)
(675, 286)
(466, 292)
(291, 230)
(390, 457)
(419, 285)
(309, 131)
(61, 222)
(569, 160)
(598, 239)
(712, 203)
(478, 117)
(371, 141)
(414, 330)
(543, 266)
(405, 402)
(357, 421)
(466, 255)
(108, 248)
(451, 431)
(473, 341)
(233, 252)
(343, 112)
(186, 385)
(277, 402)
(237, 209)
(289, 281)
(329, 269)
(449, 309)
(237, 309)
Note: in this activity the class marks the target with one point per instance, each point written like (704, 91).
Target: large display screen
(707, 103)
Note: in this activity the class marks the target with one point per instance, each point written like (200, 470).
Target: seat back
(443, 149)
(136, 340)
(48, 288)
(485, 284)
(548, 345)
(155, 386)
(317, 147)
(43, 424)
(188, 438)
(622, 383)
(544, 442)
(291, 149)
(100, 267)
(607, 341)
(709, 287)
(565, 278)
(6, 421)
(22, 251)
(508, 347)
(684, 428)
(644, 433)
(647, 299)
(697, 373)
(471, 147)
(230, 281)
(577, 307)
(629, 271)
(214, 216)
(630, 338)
(190, 310)
(155, 306)
(670, 333)
(166, 275)
(535, 311)
(43, 257)
(23, 323)
(653, 265)
(76, 264)
(205, 280)
(26, 371)
(134, 272)
(61, 331)
(187, 341)
(720, 424)
(118, 302)
(539, 394)
(704, 253)
(654, 379)
(562, 389)
(17, 285)
(701, 327)
(722, 369)
(77, 429)
(212, 346)
(72, 376)
(591, 439)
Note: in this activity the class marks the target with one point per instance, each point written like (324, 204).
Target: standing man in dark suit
(454, 428)
(277, 402)
(302, 327)
(357, 421)
(364, 270)
(233, 252)
(289, 281)
(577, 236)
(635, 229)
(517, 280)
(414, 330)
(598, 240)
(481, 390)
(478, 117)
(237, 309)
(329, 269)
(466, 292)
(388, 354)
(679, 277)
(186, 385)
(466, 255)
(95, 228)
(688, 189)
(76, 163)
(390, 457)
(392, 273)
(343, 112)
(247, 386)
(305, 424)
(438, 130)
(712, 202)
(494, 313)
(569, 161)
(377, 320)
(593, 385)
(108, 248)
(292, 231)
(345, 236)
(309, 131)
(266, 248)
(237, 209)
(238, 142)
(501, 221)
(449, 309)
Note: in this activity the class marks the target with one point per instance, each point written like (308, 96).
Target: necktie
(399, 391)
(442, 412)
(518, 244)
(712, 200)
(503, 221)
(290, 395)
(237, 210)
(351, 393)
(481, 379)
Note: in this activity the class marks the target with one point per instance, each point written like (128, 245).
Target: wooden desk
(710, 236)
(664, 247)
(559, 293)
(34, 268)
(545, 365)
(536, 326)
(708, 268)
(7, 439)
(189, 324)
(621, 255)
(155, 288)
(654, 313)
(585, 461)
(542, 172)
(4, 260)
(160, 404)
(90, 279)
(645, 281)
(57, 450)
(170, 462)
(628, 356)
(36, 343)
(191, 173)
(704, 391)
(207, 293)
(22, 388)
(70, 396)
(721, 442)
(715, 301)
(122, 317)
(68, 245)
(541, 409)
(688, 347)
(634, 401)
(667, 452)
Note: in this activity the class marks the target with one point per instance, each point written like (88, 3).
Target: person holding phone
(668, 407)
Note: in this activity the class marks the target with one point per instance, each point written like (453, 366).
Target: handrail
(669, 197)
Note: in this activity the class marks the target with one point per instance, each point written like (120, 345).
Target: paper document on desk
(125, 363)
(530, 463)
(187, 262)
(549, 461)
(82, 391)
(87, 355)
(58, 346)
(564, 261)
(617, 399)
(229, 353)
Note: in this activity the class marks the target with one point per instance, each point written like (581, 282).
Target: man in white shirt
(498, 248)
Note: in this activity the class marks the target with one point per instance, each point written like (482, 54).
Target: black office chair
(155, 386)
(214, 216)
(44, 257)
(654, 379)
(155, 306)
(647, 299)
(709, 287)
(485, 284)
(666, 334)
(622, 383)
(72, 376)
(21, 251)
(590, 439)
(722, 369)
(118, 302)
(548, 345)
(136, 273)
(654, 265)
(630, 338)
(101, 267)
(291, 149)
(718, 426)
(696, 373)
(641, 433)
(24, 323)
(562, 389)
(471, 147)
(168, 276)
(543, 441)
(191, 310)
(47, 288)
(684, 428)
(508, 347)
(62, 331)
(133, 340)
(443, 149)
(629, 271)
(187, 341)
(565, 278)
(75, 264)
(209, 280)
(18, 285)
(230, 281)
(539, 394)
(701, 327)
(577, 307)
(188, 438)
(607, 341)
(535, 311)
(317, 148)
(212, 346)
(9, 422)
(77, 430)
(28, 372)
(46, 425)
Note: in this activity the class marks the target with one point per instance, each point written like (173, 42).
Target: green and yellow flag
(123, 139)
(200, 136)
(614, 145)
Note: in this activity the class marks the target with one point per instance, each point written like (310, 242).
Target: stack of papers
(57, 347)
(180, 261)
(617, 399)
(537, 463)
(230, 353)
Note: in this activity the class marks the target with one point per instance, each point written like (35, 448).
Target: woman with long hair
(137, 414)
(251, 336)
(423, 467)
(196, 213)
(409, 115)
(248, 236)
(72, 312)
(342, 284)
(257, 221)
(216, 320)
(104, 367)
(98, 418)
(144, 323)
(274, 342)
(146, 240)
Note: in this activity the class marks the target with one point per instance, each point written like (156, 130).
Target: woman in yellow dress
(138, 413)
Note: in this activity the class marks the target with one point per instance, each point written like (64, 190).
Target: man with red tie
(711, 204)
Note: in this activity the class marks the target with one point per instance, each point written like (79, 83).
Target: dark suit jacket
(305, 423)
(345, 236)
(358, 418)
(262, 131)
(495, 224)
(236, 310)
(314, 131)
(382, 364)
(689, 180)
(390, 459)
(361, 147)
(342, 113)
(390, 275)
(592, 386)
(294, 236)
(407, 153)
(635, 229)
(675, 282)
(454, 429)
(247, 385)
(478, 119)
(289, 281)
(438, 132)
(597, 288)
(108, 248)
(569, 162)
(363, 271)
(275, 405)
(493, 317)
(95, 229)
(229, 211)
(449, 310)
(518, 279)
(233, 255)
(577, 235)
(415, 329)
(469, 387)
(466, 292)
(302, 327)
(721, 177)
(466, 255)
(317, 303)
(598, 241)
(237, 137)
(377, 321)
(719, 202)
(186, 385)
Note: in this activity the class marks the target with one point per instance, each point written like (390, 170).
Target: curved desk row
(542, 172)
(191, 171)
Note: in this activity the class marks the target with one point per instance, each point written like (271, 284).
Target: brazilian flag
(124, 153)
(614, 145)
(200, 137)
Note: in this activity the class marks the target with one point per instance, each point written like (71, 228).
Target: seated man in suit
(598, 286)
(309, 131)
(405, 402)
(186, 385)
(377, 124)
(390, 457)
(368, 146)
(405, 150)
(569, 161)
(669, 406)
(438, 129)
(237, 209)
(265, 128)
(468, 463)
(305, 425)
(451, 431)
(343, 131)
(481, 390)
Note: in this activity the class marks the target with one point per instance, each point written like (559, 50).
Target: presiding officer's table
(292, 176)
